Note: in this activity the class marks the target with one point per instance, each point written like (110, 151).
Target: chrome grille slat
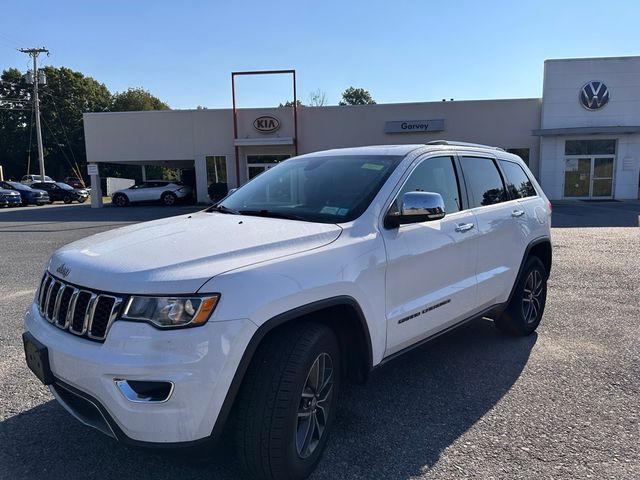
(80, 305)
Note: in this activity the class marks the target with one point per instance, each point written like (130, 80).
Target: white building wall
(563, 80)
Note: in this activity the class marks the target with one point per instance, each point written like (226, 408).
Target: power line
(76, 169)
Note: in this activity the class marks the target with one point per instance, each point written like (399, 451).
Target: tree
(356, 96)
(136, 99)
(63, 100)
(317, 98)
(289, 103)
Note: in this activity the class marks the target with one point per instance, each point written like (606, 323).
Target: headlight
(167, 312)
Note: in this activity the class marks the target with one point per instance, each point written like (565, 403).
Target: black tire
(120, 200)
(524, 312)
(67, 199)
(267, 426)
(40, 204)
(169, 198)
(82, 199)
(50, 202)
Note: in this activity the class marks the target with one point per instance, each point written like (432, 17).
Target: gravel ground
(562, 403)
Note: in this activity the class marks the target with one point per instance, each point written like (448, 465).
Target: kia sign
(594, 95)
(266, 124)
(414, 126)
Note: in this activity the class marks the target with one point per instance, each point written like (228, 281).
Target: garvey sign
(266, 124)
(414, 126)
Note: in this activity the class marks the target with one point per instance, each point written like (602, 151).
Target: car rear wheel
(169, 198)
(287, 402)
(67, 199)
(120, 200)
(525, 310)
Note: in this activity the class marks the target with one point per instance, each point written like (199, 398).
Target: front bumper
(200, 362)
(11, 200)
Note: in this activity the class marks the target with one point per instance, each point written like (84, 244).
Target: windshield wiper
(223, 209)
(271, 214)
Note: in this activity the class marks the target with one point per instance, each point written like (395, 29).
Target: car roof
(373, 150)
(402, 150)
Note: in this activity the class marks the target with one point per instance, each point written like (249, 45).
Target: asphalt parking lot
(562, 403)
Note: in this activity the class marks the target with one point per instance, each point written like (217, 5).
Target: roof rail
(462, 144)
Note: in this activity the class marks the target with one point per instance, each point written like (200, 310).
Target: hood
(4, 191)
(178, 255)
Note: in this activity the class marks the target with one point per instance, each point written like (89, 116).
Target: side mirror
(417, 207)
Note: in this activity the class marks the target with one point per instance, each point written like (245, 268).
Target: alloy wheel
(315, 402)
(531, 294)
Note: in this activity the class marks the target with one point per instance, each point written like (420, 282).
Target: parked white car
(153, 190)
(30, 179)
(247, 317)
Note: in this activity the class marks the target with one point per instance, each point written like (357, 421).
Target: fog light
(142, 391)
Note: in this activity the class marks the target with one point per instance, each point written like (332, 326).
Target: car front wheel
(524, 312)
(120, 200)
(67, 199)
(169, 198)
(287, 402)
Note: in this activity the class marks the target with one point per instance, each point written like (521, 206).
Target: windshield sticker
(372, 166)
(330, 210)
(341, 212)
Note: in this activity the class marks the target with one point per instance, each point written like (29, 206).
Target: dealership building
(581, 139)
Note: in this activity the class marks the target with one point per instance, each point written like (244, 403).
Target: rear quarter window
(518, 183)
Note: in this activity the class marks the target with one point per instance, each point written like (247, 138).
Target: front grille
(77, 310)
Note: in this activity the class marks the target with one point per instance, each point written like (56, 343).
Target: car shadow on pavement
(394, 427)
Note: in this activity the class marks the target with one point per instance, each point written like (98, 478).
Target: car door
(430, 277)
(139, 193)
(501, 240)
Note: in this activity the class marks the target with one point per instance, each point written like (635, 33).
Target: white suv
(249, 315)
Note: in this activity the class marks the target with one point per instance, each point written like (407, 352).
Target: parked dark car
(75, 182)
(28, 195)
(60, 191)
(9, 198)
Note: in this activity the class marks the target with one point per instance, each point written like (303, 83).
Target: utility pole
(34, 52)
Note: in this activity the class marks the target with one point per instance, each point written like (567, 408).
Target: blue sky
(401, 51)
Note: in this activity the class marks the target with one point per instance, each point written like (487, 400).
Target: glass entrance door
(602, 183)
(588, 177)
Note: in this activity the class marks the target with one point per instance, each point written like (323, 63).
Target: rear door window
(484, 182)
(518, 183)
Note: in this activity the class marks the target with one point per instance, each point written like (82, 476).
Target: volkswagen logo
(594, 95)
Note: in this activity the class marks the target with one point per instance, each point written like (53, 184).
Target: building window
(590, 147)
(523, 153)
(256, 164)
(216, 169)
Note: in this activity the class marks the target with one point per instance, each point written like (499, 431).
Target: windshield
(316, 189)
(18, 186)
(64, 186)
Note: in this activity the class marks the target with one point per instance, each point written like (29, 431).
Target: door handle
(464, 227)
(517, 213)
